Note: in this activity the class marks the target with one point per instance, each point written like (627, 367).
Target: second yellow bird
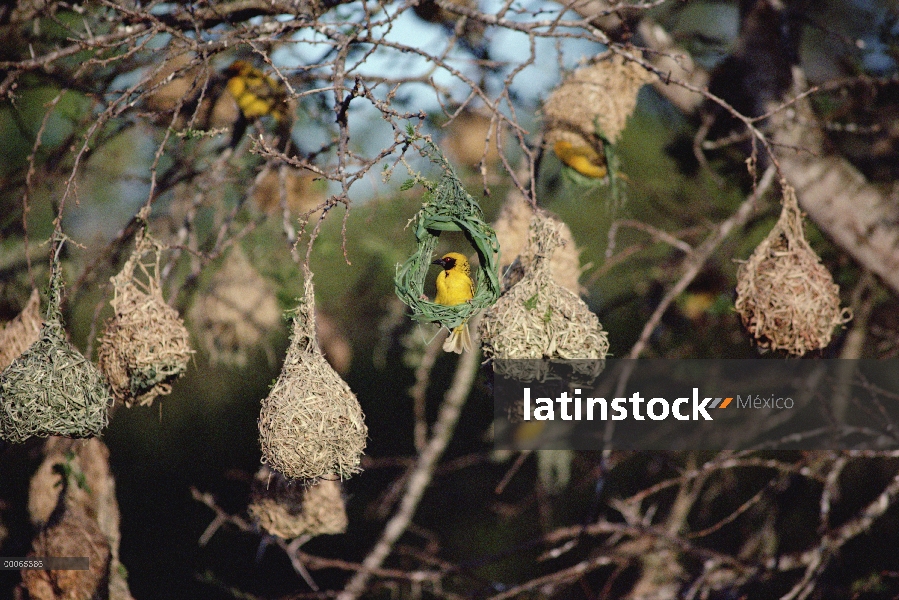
(257, 94)
(454, 286)
(583, 159)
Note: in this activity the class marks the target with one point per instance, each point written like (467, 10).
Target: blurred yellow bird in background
(257, 94)
(583, 159)
(454, 286)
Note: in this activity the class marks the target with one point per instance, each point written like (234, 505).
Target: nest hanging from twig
(52, 389)
(448, 208)
(538, 319)
(311, 425)
(18, 335)
(785, 297)
(594, 103)
(74, 534)
(145, 346)
(290, 509)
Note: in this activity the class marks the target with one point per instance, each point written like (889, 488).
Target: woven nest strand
(311, 425)
(594, 101)
(536, 318)
(450, 209)
(289, 510)
(24, 330)
(785, 297)
(52, 389)
(145, 345)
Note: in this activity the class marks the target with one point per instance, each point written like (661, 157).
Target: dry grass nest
(311, 425)
(785, 297)
(536, 318)
(74, 534)
(290, 509)
(236, 312)
(145, 345)
(51, 388)
(595, 100)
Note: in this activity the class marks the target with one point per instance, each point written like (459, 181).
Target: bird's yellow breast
(453, 287)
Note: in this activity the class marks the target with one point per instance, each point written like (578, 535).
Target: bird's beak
(439, 261)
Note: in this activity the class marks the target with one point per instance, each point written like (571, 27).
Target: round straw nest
(301, 191)
(73, 534)
(594, 103)
(311, 425)
(785, 297)
(18, 335)
(236, 312)
(145, 346)
(472, 137)
(290, 509)
(52, 389)
(536, 318)
(512, 227)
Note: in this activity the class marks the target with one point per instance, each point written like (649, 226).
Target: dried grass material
(538, 319)
(180, 82)
(472, 136)
(512, 227)
(89, 489)
(785, 297)
(600, 96)
(289, 510)
(145, 346)
(302, 192)
(18, 335)
(311, 425)
(236, 312)
(74, 534)
(51, 389)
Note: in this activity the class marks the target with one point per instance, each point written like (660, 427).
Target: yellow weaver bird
(454, 286)
(583, 159)
(257, 94)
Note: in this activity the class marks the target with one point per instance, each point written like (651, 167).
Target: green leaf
(407, 185)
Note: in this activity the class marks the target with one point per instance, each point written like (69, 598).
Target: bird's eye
(449, 263)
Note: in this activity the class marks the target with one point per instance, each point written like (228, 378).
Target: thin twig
(455, 397)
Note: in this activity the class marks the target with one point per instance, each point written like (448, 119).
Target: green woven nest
(52, 389)
(450, 208)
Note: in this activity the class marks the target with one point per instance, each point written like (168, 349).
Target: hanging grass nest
(290, 509)
(448, 207)
(536, 318)
(52, 389)
(73, 534)
(512, 228)
(311, 425)
(302, 190)
(594, 103)
(785, 297)
(145, 346)
(18, 335)
(236, 312)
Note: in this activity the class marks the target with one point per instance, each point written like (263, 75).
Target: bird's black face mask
(446, 263)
